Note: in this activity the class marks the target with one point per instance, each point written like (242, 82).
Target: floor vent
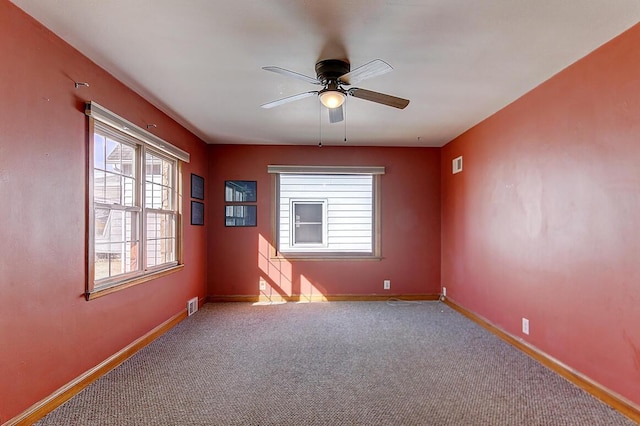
(192, 306)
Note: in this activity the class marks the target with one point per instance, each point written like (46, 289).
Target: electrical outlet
(263, 284)
(386, 284)
(444, 291)
(525, 326)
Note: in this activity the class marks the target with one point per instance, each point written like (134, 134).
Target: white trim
(100, 113)
(327, 170)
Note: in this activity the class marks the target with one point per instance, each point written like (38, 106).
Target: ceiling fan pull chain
(320, 125)
(345, 121)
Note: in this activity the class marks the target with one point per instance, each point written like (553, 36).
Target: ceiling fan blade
(293, 74)
(380, 98)
(288, 99)
(336, 115)
(368, 70)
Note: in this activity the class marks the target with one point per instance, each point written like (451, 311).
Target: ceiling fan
(333, 75)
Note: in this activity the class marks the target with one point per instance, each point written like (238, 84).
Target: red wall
(239, 257)
(49, 334)
(543, 221)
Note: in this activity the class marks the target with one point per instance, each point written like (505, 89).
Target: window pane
(148, 195)
(115, 242)
(128, 160)
(153, 167)
(131, 256)
(152, 253)
(161, 238)
(120, 226)
(103, 262)
(113, 190)
(98, 151)
(166, 198)
(99, 186)
(101, 217)
(157, 196)
(159, 182)
(308, 212)
(115, 259)
(167, 168)
(308, 234)
(114, 152)
(153, 225)
(129, 191)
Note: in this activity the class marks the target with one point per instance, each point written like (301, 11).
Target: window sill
(315, 257)
(132, 282)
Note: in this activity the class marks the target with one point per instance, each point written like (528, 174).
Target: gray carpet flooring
(342, 363)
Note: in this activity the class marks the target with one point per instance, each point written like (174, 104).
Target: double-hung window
(134, 205)
(327, 212)
(309, 225)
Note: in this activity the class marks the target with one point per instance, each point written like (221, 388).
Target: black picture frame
(240, 191)
(197, 187)
(240, 215)
(197, 213)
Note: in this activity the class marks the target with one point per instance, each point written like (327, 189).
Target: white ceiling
(458, 61)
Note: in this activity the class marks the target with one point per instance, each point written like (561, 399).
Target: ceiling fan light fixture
(332, 98)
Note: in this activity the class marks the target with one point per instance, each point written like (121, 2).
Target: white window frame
(308, 253)
(108, 124)
(293, 223)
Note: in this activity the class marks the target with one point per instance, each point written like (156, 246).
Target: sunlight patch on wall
(309, 292)
(277, 273)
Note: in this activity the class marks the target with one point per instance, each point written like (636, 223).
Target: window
(134, 212)
(309, 226)
(327, 211)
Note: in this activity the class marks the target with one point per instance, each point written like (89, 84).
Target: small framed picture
(197, 187)
(240, 191)
(240, 215)
(197, 213)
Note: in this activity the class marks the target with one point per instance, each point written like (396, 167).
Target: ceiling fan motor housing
(330, 69)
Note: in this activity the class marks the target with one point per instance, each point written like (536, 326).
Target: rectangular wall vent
(457, 165)
(192, 306)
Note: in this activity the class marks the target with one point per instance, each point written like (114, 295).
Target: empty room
(285, 212)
